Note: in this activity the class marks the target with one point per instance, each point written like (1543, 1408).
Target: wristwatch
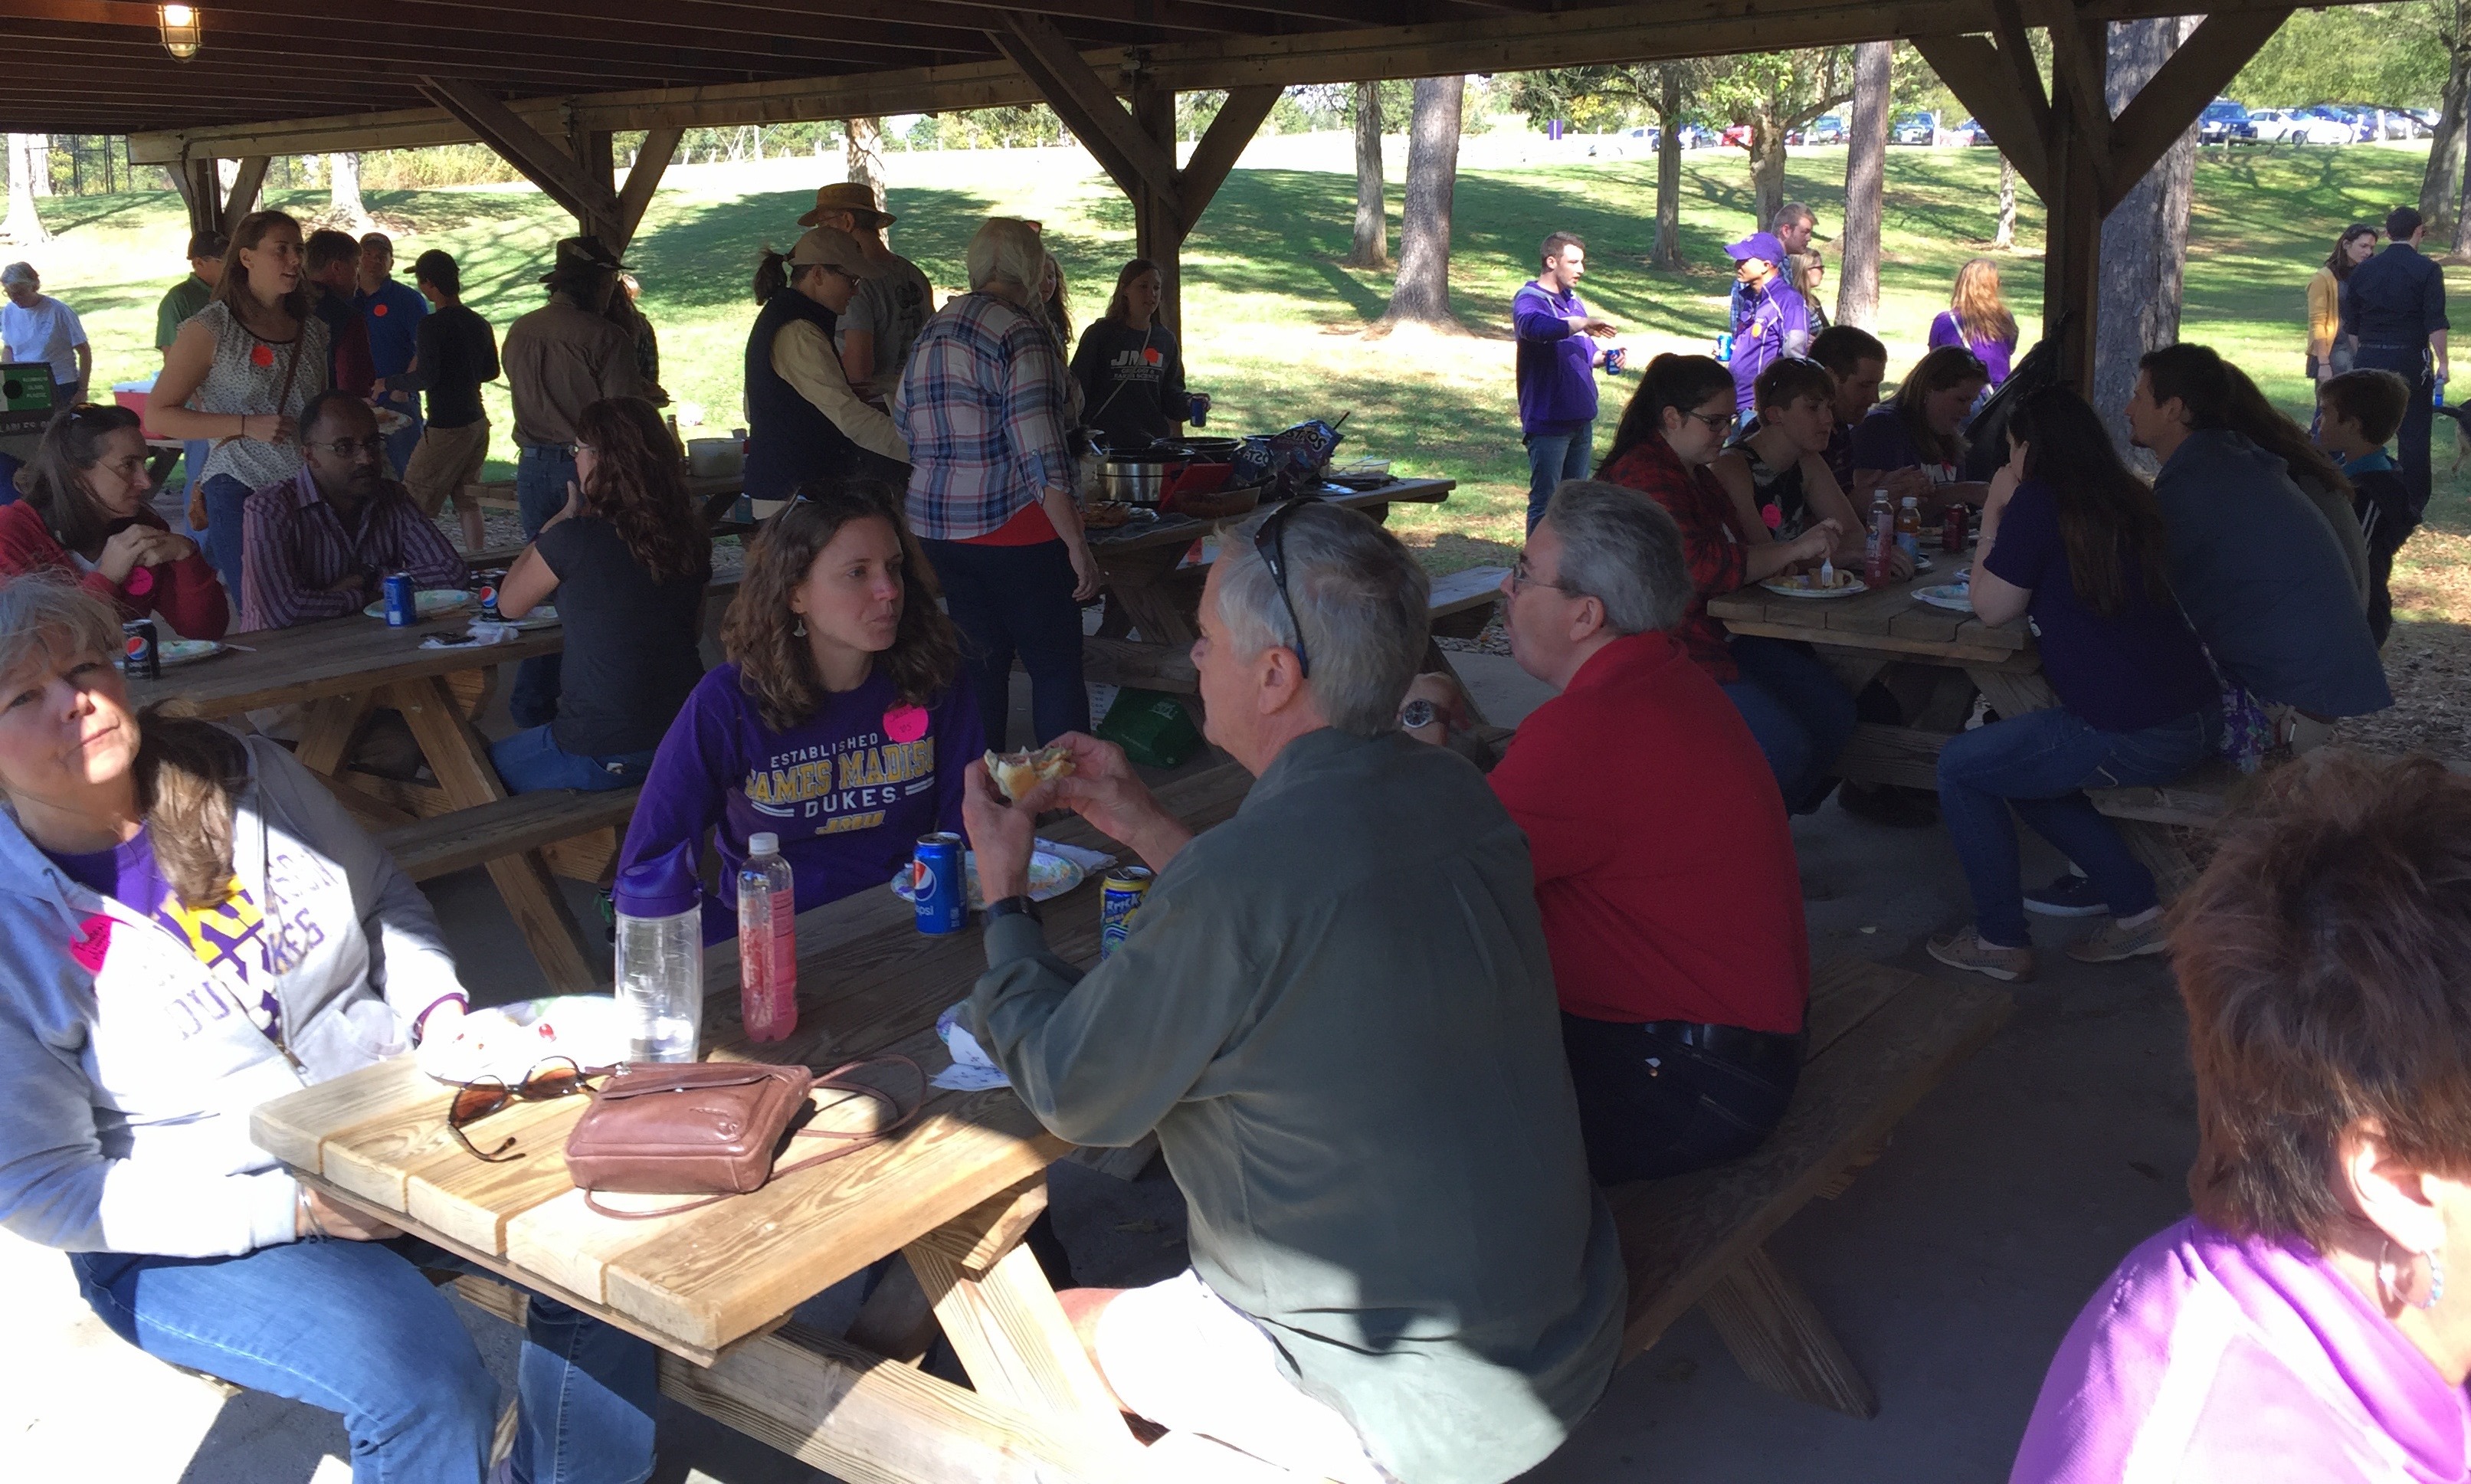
(1416, 715)
(1008, 906)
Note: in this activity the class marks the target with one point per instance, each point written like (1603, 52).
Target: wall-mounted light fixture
(181, 32)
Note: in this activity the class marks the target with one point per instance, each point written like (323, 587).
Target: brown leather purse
(712, 1129)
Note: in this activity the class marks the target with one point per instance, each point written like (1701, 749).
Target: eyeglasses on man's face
(346, 448)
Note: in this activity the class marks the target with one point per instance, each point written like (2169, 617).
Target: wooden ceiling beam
(559, 175)
(349, 74)
(2191, 77)
(1976, 72)
(1086, 104)
(643, 179)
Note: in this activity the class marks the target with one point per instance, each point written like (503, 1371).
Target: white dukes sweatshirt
(130, 1068)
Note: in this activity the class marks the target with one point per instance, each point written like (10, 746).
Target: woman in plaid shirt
(981, 407)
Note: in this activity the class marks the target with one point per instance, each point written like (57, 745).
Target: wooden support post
(596, 155)
(202, 190)
(2072, 252)
(247, 182)
(558, 175)
(2171, 100)
(660, 146)
(1765, 1319)
(1159, 222)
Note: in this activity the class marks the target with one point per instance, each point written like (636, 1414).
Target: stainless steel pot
(1136, 479)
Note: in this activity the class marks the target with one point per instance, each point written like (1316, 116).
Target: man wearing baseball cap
(883, 320)
(803, 418)
(1777, 323)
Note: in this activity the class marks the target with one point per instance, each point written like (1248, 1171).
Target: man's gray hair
(1359, 597)
(1621, 549)
(1793, 211)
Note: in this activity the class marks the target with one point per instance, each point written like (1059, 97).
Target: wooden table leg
(531, 893)
(329, 727)
(1768, 1323)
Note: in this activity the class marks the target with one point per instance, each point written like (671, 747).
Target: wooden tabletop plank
(294, 1128)
(1921, 621)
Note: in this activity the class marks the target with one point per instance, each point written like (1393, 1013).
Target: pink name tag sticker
(141, 582)
(89, 950)
(905, 723)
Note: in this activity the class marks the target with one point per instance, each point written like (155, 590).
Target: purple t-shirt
(230, 936)
(2212, 1359)
(1995, 355)
(2121, 674)
(848, 790)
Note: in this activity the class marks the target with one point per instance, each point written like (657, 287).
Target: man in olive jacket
(1336, 1010)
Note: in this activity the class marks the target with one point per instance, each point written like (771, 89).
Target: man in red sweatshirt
(1664, 867)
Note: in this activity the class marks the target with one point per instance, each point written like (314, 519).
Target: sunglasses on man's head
(557, 1077)
(1271, 542)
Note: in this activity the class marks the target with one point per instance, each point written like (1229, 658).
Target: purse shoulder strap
(838, 1079)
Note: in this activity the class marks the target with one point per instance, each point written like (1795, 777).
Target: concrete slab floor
(1949, 1269)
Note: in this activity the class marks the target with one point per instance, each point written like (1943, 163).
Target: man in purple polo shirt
(1557, 372)
(1777, 323)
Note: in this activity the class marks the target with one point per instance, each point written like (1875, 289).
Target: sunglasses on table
(555, 1079)
(1270, 540)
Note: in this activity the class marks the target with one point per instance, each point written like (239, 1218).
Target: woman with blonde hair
(1977, 318)
(983, 408)
(190, 926)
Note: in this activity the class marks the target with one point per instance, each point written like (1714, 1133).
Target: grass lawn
(1277, 327)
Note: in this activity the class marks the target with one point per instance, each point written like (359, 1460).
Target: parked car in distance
(2220, 123)
(2294, 125)
(1736, 136)
(1914, 129)
(1829, 130)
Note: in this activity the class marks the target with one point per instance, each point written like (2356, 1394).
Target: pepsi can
(141, 656)
(1615, 358)
(402, 604)
(1120, 899)
(489, 583)
(936, 888)
(1198, 405)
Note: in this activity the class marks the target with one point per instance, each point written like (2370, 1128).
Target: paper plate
(1791, 587)
(429, 602)
(1954, 597)
(1050, 876)
(507, 1041)
(540, 615)
(186, 651)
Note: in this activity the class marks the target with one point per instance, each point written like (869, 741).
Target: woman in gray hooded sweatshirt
(190, 924)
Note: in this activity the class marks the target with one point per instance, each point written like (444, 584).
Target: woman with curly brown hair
(2312, 1319)
(627, 559)
(840, 723)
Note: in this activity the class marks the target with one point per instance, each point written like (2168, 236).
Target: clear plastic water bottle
(767, 941)
(659, 906)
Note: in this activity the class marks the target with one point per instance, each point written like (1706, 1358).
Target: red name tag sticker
(261, 355)
(378, 309)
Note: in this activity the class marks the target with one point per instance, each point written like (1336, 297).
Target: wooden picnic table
(954, 1192)
(343, 669)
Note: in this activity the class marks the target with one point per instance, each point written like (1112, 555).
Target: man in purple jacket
(1775, 323)
(1557, 372)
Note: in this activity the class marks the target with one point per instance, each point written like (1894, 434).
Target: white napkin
(479, 633)
(973, 1070)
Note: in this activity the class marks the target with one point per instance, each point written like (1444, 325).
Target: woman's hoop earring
(2400, 1283)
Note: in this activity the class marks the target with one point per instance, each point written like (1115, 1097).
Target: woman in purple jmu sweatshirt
(840, 722)
(2312, 1320)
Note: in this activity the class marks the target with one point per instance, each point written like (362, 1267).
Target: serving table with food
(952, 1189)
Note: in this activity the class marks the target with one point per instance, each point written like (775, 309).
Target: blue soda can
(936, 888)
(1198, 405)
(489, 583)
(1615, 358)
(1119, 899)
(1725, 346)
(403, 608)
(141, 656)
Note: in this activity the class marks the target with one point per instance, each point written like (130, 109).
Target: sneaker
(1967, 951)
(1899, 808)
(2068, 895)
(2110, 942)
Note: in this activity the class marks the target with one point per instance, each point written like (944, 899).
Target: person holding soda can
(1560, 342)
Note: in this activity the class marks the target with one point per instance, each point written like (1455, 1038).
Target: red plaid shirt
(1711, 540)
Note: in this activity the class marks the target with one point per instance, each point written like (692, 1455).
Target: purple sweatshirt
(1995, 355)
(849, 790)
(1778, 326)
(2210, 1359)
(1557, 364)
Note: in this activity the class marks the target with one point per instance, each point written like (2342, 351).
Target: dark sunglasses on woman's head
(557, 1077)
(1270, 540)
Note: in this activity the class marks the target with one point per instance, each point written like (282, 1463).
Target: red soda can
(1952, 533)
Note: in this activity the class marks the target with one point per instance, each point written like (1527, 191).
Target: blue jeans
(542, 473)
(1551, 458)
(193, 460)
(225, 496)
(2039, 764)
(356, 1328)
(1799, 712)
(1017, 599)
(530, 762)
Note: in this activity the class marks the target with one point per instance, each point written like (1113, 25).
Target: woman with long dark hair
(191, 927)
(239, 374)
(628, 559)
(841, 721)
(1674, 428)
(2328, 356)
(85, 514)
(2071, 536)
(1128, 365)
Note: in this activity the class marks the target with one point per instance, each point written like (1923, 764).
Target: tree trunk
(24, 223)
(2445, 151)
(2462, 217)
(1767, 167)
(344, 189)
(1866, 174)
(39, 159)
(1372, 246)
(1669, 171)
(864, 152)
(2144, 242)
(2006, 238)
(1423, 292)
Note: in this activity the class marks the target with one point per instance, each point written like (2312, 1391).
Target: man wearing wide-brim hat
(883, 320)
(558, 360)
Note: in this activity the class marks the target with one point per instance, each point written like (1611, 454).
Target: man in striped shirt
(321, 544)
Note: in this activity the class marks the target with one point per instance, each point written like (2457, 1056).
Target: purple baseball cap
(1758, 245)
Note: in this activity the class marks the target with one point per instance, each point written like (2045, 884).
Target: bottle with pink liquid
(767, 941)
